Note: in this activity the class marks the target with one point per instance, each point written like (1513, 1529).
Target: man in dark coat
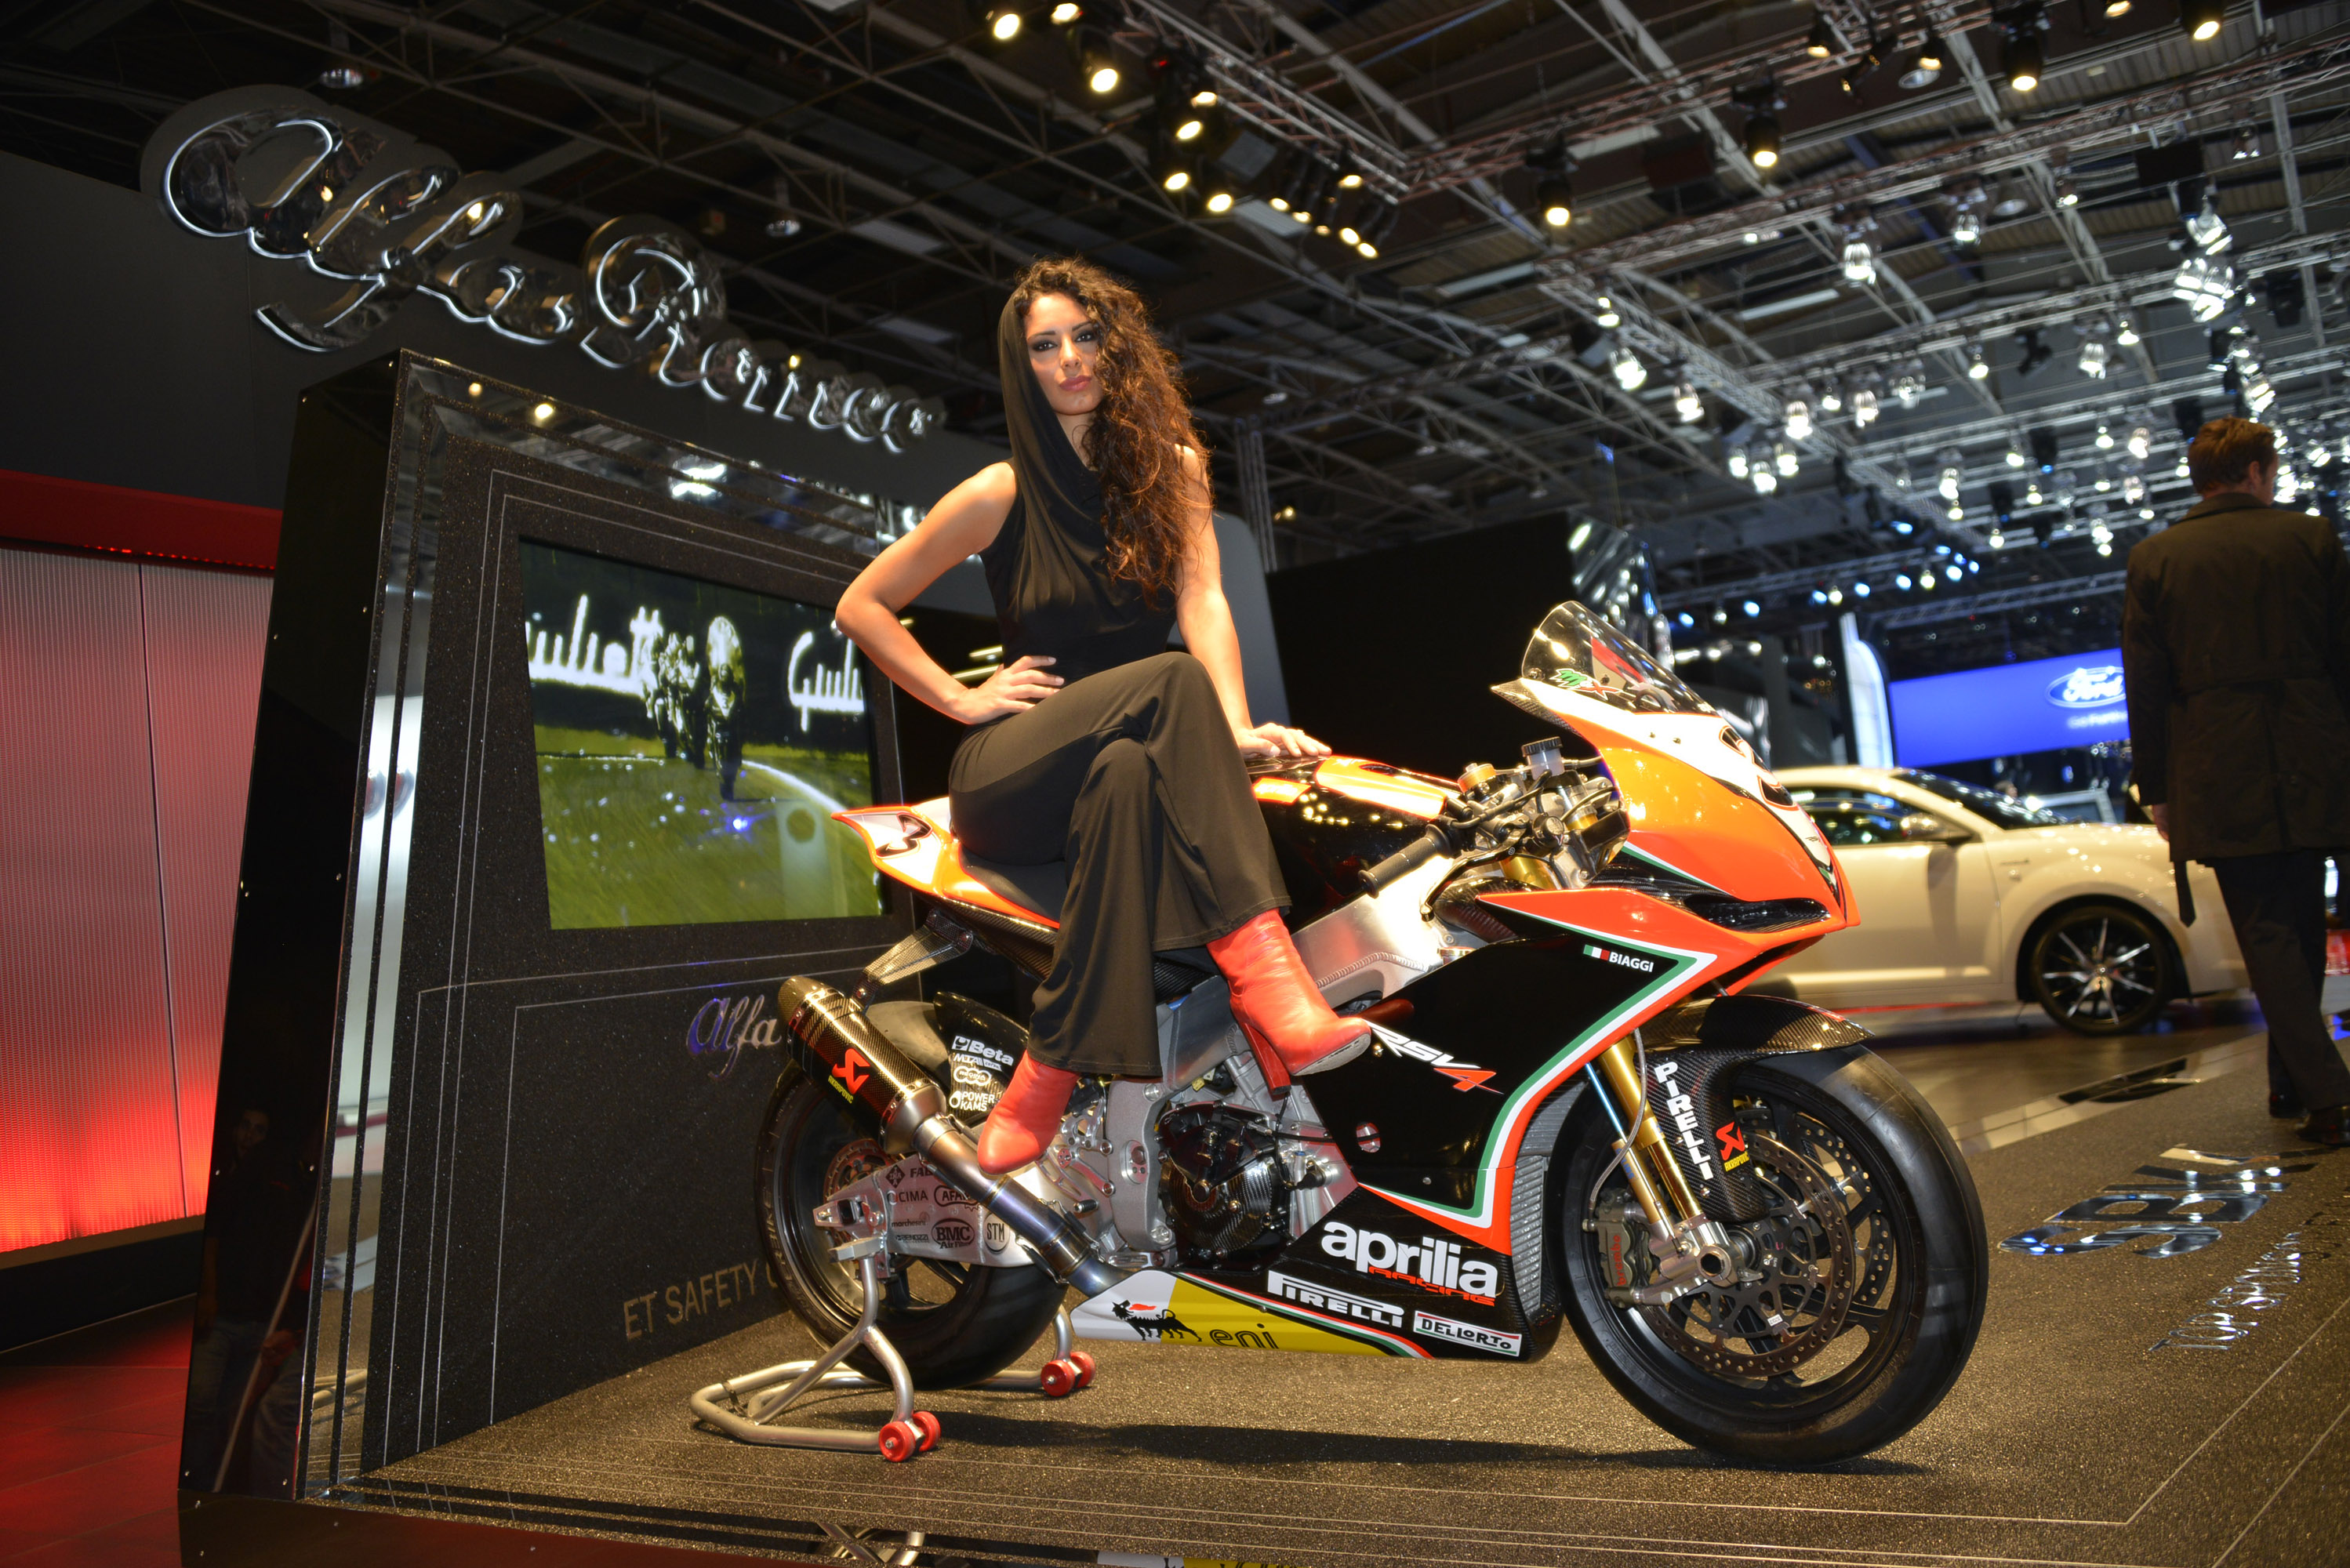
(2236, 650)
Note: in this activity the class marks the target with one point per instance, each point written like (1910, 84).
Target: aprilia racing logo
(1432, 1265)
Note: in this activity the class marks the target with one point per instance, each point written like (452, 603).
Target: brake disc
(1795, 1282)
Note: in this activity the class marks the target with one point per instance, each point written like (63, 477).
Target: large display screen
(693, 741)
(2043, 705)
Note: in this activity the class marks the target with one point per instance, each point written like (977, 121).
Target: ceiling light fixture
(1630, 374)
(1821, 41)
(2022, 59)
(1799, 418)
(2202, 19)
(1978, 367)
(1687, 404)
(1607, 315)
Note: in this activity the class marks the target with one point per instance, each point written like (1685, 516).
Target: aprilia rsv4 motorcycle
(1571, 1107)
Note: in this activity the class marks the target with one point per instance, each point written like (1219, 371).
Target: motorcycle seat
(1042, 890)
(1039, 889)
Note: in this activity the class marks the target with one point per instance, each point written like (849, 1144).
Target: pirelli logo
(1339, 1303)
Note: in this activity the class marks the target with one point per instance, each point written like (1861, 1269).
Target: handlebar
(1436, 841)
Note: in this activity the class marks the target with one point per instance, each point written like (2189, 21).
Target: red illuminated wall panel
(127, 696)
(204, 635)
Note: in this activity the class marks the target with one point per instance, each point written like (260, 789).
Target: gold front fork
(1680, 1233)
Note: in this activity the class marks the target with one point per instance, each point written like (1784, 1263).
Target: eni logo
(2090, 686)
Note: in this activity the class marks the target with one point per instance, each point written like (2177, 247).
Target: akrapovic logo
(1609, 955)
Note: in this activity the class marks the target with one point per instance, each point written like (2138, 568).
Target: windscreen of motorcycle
(1583, 673)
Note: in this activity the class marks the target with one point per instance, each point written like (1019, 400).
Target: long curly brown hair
(1135, 442)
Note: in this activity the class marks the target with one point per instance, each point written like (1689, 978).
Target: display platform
(2120, 1409)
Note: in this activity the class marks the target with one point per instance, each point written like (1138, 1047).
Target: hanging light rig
(1763, 104)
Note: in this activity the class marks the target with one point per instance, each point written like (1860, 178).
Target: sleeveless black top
(1054, 597)
(1047, 571)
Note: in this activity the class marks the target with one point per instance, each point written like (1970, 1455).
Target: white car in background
(1964, 896)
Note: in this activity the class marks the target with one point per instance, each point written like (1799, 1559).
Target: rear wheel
(1860, 1289)
(2101, 969)
(953, 1324)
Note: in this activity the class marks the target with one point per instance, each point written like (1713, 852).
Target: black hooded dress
(1129, 772)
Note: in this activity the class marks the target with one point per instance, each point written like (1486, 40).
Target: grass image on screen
(693, 741)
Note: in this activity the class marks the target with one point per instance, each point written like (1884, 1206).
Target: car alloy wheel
(2101, 969)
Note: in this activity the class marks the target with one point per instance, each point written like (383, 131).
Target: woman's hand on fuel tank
(1018, 686)
(1277, 740)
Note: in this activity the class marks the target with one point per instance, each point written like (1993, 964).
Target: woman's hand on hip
(1017, 687)
(1277, 740)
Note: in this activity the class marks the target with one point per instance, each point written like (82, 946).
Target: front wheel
(1860, 1287)
(2100, 969)
(953, 1324)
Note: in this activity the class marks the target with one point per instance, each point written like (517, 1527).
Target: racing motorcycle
(1571, 1107)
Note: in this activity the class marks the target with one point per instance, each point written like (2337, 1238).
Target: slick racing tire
(953, 1324)
(1861, 1287)
(2100, 969)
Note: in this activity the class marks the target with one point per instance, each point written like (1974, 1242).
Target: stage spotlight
(1556, 198)
(2202, 19)
(1350, 176)
(1925, 65)
(1368, 252)
(2208, 289)
(2094, 356)
(1751, 608)
(2022, 60)
(2014, 458)
(1004, 24)
(1864, 409)
(1978, 367)
(1687, 404)
(2067, 193)
(1762, 140)
(2247, 144)
(1739, 463)
(2125, 334)
(1067, 12)
(1765, 482)
(1799, 418)
(1220, 200)
(2140, 444)
(1096, 62)
(1174, 171)
(1101, 76)
(1783, 459)
(1821, 41)
(2208, 229)
(1630, 374)
(1607, 315)
(1859, 262)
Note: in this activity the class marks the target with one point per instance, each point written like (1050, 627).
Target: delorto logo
(2090, 686)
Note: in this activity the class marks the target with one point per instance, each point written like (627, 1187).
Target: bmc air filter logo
(2090, 686)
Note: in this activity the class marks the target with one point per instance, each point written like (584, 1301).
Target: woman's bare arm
(1205, 617)
(963, 523)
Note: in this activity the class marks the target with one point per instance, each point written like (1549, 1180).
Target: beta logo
(1432, 1265)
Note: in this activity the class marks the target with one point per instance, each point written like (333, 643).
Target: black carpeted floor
(2076, 1435)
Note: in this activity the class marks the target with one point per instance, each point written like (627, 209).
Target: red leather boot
(1275, 1001)
(1024, 1120)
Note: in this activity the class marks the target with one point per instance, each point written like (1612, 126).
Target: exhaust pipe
(836, 1042)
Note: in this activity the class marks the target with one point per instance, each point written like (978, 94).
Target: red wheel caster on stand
(900, 1441)
(928, 1425)
(1059, 1378)
(1084, 1365)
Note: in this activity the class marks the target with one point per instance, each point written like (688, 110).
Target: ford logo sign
(2090, 686)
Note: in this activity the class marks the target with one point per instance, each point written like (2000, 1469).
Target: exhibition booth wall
(145, 442)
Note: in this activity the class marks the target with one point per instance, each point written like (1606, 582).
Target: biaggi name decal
(298, 179)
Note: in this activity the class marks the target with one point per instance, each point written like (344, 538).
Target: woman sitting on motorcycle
(1092, 744)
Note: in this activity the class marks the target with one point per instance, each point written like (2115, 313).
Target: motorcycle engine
(1222, 1180)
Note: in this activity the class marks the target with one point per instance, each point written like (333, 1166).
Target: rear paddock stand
(752, 1401)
